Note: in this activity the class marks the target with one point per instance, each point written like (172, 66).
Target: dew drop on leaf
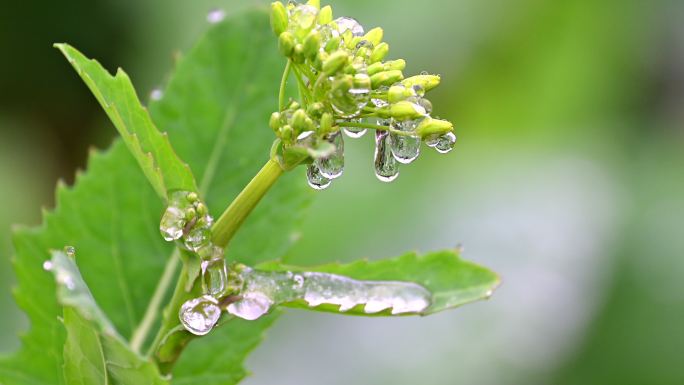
(252, 306)
(199, 315)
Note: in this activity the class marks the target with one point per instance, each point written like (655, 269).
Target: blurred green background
(568, 179)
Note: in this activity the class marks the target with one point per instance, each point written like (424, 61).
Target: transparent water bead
(350, 95)
(216, 16)
(348, 23)
(442, 143)
(199, 315)
(405, 148)
(174, 220)
(262, 290)
(353, 132)
(252, 306)
(156, 94)
(386, 166)
(214, 277)
(302, 18)
(331, 166)
(197, 238)
(315, 178)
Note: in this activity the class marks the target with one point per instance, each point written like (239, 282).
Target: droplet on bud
(172, 223)
(332, 165)
(316, 180)
(386, 167)
(353, 132)
(350, 94)
(442, 143)
(214, 277)
(347, 23)
(199, 315)
(405, 148)
(302, 19)
(197, 238)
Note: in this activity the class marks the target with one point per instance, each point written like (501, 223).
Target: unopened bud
(326, 123)
(386, 78)
(403, 110)
(398, 93)
(274, 121)
(428, 82)
(314, 3)
(286, 132)
(311, 44)
(278, 18)
(325, 16)
(335, 62)
(299, 120)
(374, 35)
(398, 64)
(379, 52)
(333, 44)
(298, 54)
(430, 126)
(286, 43)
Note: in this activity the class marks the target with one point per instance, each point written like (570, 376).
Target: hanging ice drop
(332, 165)
(316, 180)
(386, 167)
(199, 315)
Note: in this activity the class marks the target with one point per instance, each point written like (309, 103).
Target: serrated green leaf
(94, 353)
(111, 214)
(163, 168)
(451, 281)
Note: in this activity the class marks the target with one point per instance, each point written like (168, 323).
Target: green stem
(239, 209)
(364, 125)
(302, 87)
(141, 332)
(283, 84)
(170, 339)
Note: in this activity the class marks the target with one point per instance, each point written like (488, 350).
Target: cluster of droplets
(187, 221)
(346, 86)
(264, 289)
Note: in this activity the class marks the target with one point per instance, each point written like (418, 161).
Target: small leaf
(450, 280)
(151, 148)
(94, 353)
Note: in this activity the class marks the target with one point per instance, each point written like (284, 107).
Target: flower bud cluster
(346, 84)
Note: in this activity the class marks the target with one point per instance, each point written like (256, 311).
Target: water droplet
(70, 251)
(442, 143)
(347, 23)
(47, 265)
(199, 315)
(214, 277)
(298, 281)
(326, 32)
(156, 94)
(172, 223)
(405, 148)
(252, 306)
(216, 15)
(316, 180)
(197, 237)
(353, 132)
(386, 167)
(64, 278)
(302, 18)
(331, 166)
(350, 95)
(379, 103)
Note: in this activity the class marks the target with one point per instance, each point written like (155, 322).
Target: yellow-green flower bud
(311, 44)
(274, 122)
(398, 64)
(286, 132)
(428, 82)
(332, 44)
(386, 78)
(325, 16)
(430, 126)
(299, 120)
(403, 110)
(298, 54)
(278, 18)
(336, 61)
(314, 3)
(379, 52)
(353, 41)
(374, 35)
(286, 43)
(315, 109)
(375, 68)
(398, 93)
(326, 123)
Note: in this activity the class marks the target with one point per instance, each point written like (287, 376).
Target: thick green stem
(239, 209)
(171, 340)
